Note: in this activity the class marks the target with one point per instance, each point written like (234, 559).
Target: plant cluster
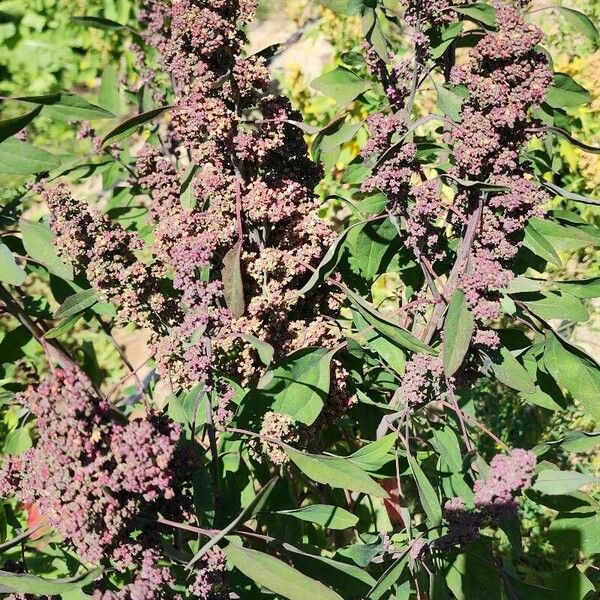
(307, 421)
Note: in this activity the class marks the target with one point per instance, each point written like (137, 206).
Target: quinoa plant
(303, 423)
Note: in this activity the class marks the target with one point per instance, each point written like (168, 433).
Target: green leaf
(17, 442)
(299, 385)
(266, 352)
(63, 327)
(275, 575)
(449, 101)
(458, 331)
(575, 371)
(31, 584)
(20, 158)
(581, 23)
(566, 237)
(427, 494)
(67, 107)
(128, 127)
(346, 8)
(109, 96)
(539, 245)
(9, 127)
(98, 23)
(332, 517)
(443, 37)
(77, 303)
(186, 194)
(580, 532)
(389, 329)
(559, 191)
(38, 240)
(552, 305)
(336, 472)
(341, 84)
(368, 245)
(482, 13)
(233, 284)
(329, 261)
(376, 454)
(553, 482)
(511, 372)
(342, 133)
(447, 446)
(566, 92)
(10, 272)
(573, 441)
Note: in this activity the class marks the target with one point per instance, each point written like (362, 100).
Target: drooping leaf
(427, 494)
(9, 127)
(10, 272)
(38, 240)
(553, 482)
(511, 372)
(299, 385)
(389, 329)
(575, 371)
(579, 532)
(480, 12)
(566, 92)
(65, 106)
(77, 303)
(128, 127)
(266, 352)
(552, 305)
(233, 284)
(539, 245)
(39, 586)
(20, 158)
(277, 576)
(17, 441)
(374, 455)
(336, 472)
(332, 517)
(110, 95)
(579, 22)
(341, 84)
(98, 23)
(458, 331)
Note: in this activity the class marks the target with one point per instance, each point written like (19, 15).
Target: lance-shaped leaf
(10, 272)
(336, 472)
(233, 284)
(539, 245)
(553, 482)
(567, 136)
(275, 575)
(20, 158)
(38, 240)
(580, 22)
(458, 331)
(329, 261)
(332, 517)
(77, 303)
(575, 371)
(510, 371)
(376, 454)
(341, 84)
(39, 586)
(552, 305)
(559, 191)
(9, 127)
(480, 12)
(389, 329)
(566, 92)
(128, 127)
(299, 386)
(427, 494)
(65, 106)
(98, 23)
